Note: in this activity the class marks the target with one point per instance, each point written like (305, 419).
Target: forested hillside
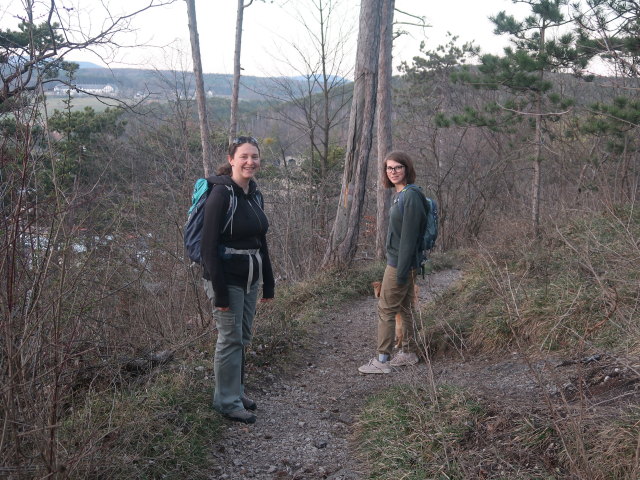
(160, 83)
(534, 163)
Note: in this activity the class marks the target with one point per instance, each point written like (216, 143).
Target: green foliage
(81, 144)
(617, 122)
(29, 46)
(520, 71)
(445, 58)
(429, 74)
(334, 163)
(41, 37)
(609, 29)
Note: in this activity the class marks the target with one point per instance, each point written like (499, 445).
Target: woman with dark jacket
(407, 220)
(236, 262)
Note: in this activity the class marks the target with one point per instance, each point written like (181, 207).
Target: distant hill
(86, 64)
(133, 81)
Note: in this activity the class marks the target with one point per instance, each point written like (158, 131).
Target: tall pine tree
(523, 72)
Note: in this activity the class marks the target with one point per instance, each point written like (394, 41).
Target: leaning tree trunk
(207, 162)
(344, 235)
(385, 127)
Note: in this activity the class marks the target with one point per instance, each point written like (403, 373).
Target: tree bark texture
(207, 162)
(344, 235)
(385, 125)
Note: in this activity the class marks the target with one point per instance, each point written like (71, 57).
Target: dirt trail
(306, 416)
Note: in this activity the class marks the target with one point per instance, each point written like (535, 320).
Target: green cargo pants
(234, 334)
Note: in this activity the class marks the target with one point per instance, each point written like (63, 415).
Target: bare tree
(385, 128)
(31, 56)
(313, 104)
(207, 162)
(235, 91)
(344, 235)
(52, 289)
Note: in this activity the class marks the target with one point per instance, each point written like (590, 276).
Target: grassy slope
(161, 425)
(574, 292)
(579, 286)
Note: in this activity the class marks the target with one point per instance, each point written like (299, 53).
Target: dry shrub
(578, 284)
(575, 291)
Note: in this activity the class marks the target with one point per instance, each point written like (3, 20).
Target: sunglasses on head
(241, 140)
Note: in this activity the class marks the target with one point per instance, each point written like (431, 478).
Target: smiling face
(397, 173)
(245, 163)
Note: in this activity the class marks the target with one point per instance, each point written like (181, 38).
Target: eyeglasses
(395, 169)
(240, 140)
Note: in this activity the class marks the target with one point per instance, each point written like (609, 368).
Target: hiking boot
(375, 366)
(241, 416)
(248, 403)
(404, 359)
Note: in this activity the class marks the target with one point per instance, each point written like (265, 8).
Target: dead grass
(579, 284)
(159, 423)
(573, 293)
(160, 427)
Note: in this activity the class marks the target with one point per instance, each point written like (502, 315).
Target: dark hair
(224, 169)
(402, 158)
(236, 142)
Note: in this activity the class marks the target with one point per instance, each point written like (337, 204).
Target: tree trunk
(385, 126)
(344, 235)
(537, 165)
(326, 122)
(235, 91)
(207, 162)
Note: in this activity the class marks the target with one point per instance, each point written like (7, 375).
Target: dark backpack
(430, 232)
(195, 219)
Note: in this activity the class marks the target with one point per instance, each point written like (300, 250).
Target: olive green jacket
(407, 220)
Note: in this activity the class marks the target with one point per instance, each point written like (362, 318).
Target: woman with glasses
(407, 219)
(236, 262)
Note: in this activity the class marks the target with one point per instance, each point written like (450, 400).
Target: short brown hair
(402, 158)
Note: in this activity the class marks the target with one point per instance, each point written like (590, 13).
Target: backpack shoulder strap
(411, 186)
(233, 203)
(259, 199)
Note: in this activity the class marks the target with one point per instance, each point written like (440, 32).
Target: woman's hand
(224, 309)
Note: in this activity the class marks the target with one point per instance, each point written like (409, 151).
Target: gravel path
(306, 416)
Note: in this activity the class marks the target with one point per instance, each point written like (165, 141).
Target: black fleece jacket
(247, 231)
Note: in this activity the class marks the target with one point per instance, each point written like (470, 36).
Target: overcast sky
(270, 30)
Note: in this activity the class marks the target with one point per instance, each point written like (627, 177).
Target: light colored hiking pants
(234, 333)
(394, 299)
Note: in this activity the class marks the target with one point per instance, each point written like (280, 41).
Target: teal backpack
(195, 218)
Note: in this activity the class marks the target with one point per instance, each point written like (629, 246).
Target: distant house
(87, 89)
